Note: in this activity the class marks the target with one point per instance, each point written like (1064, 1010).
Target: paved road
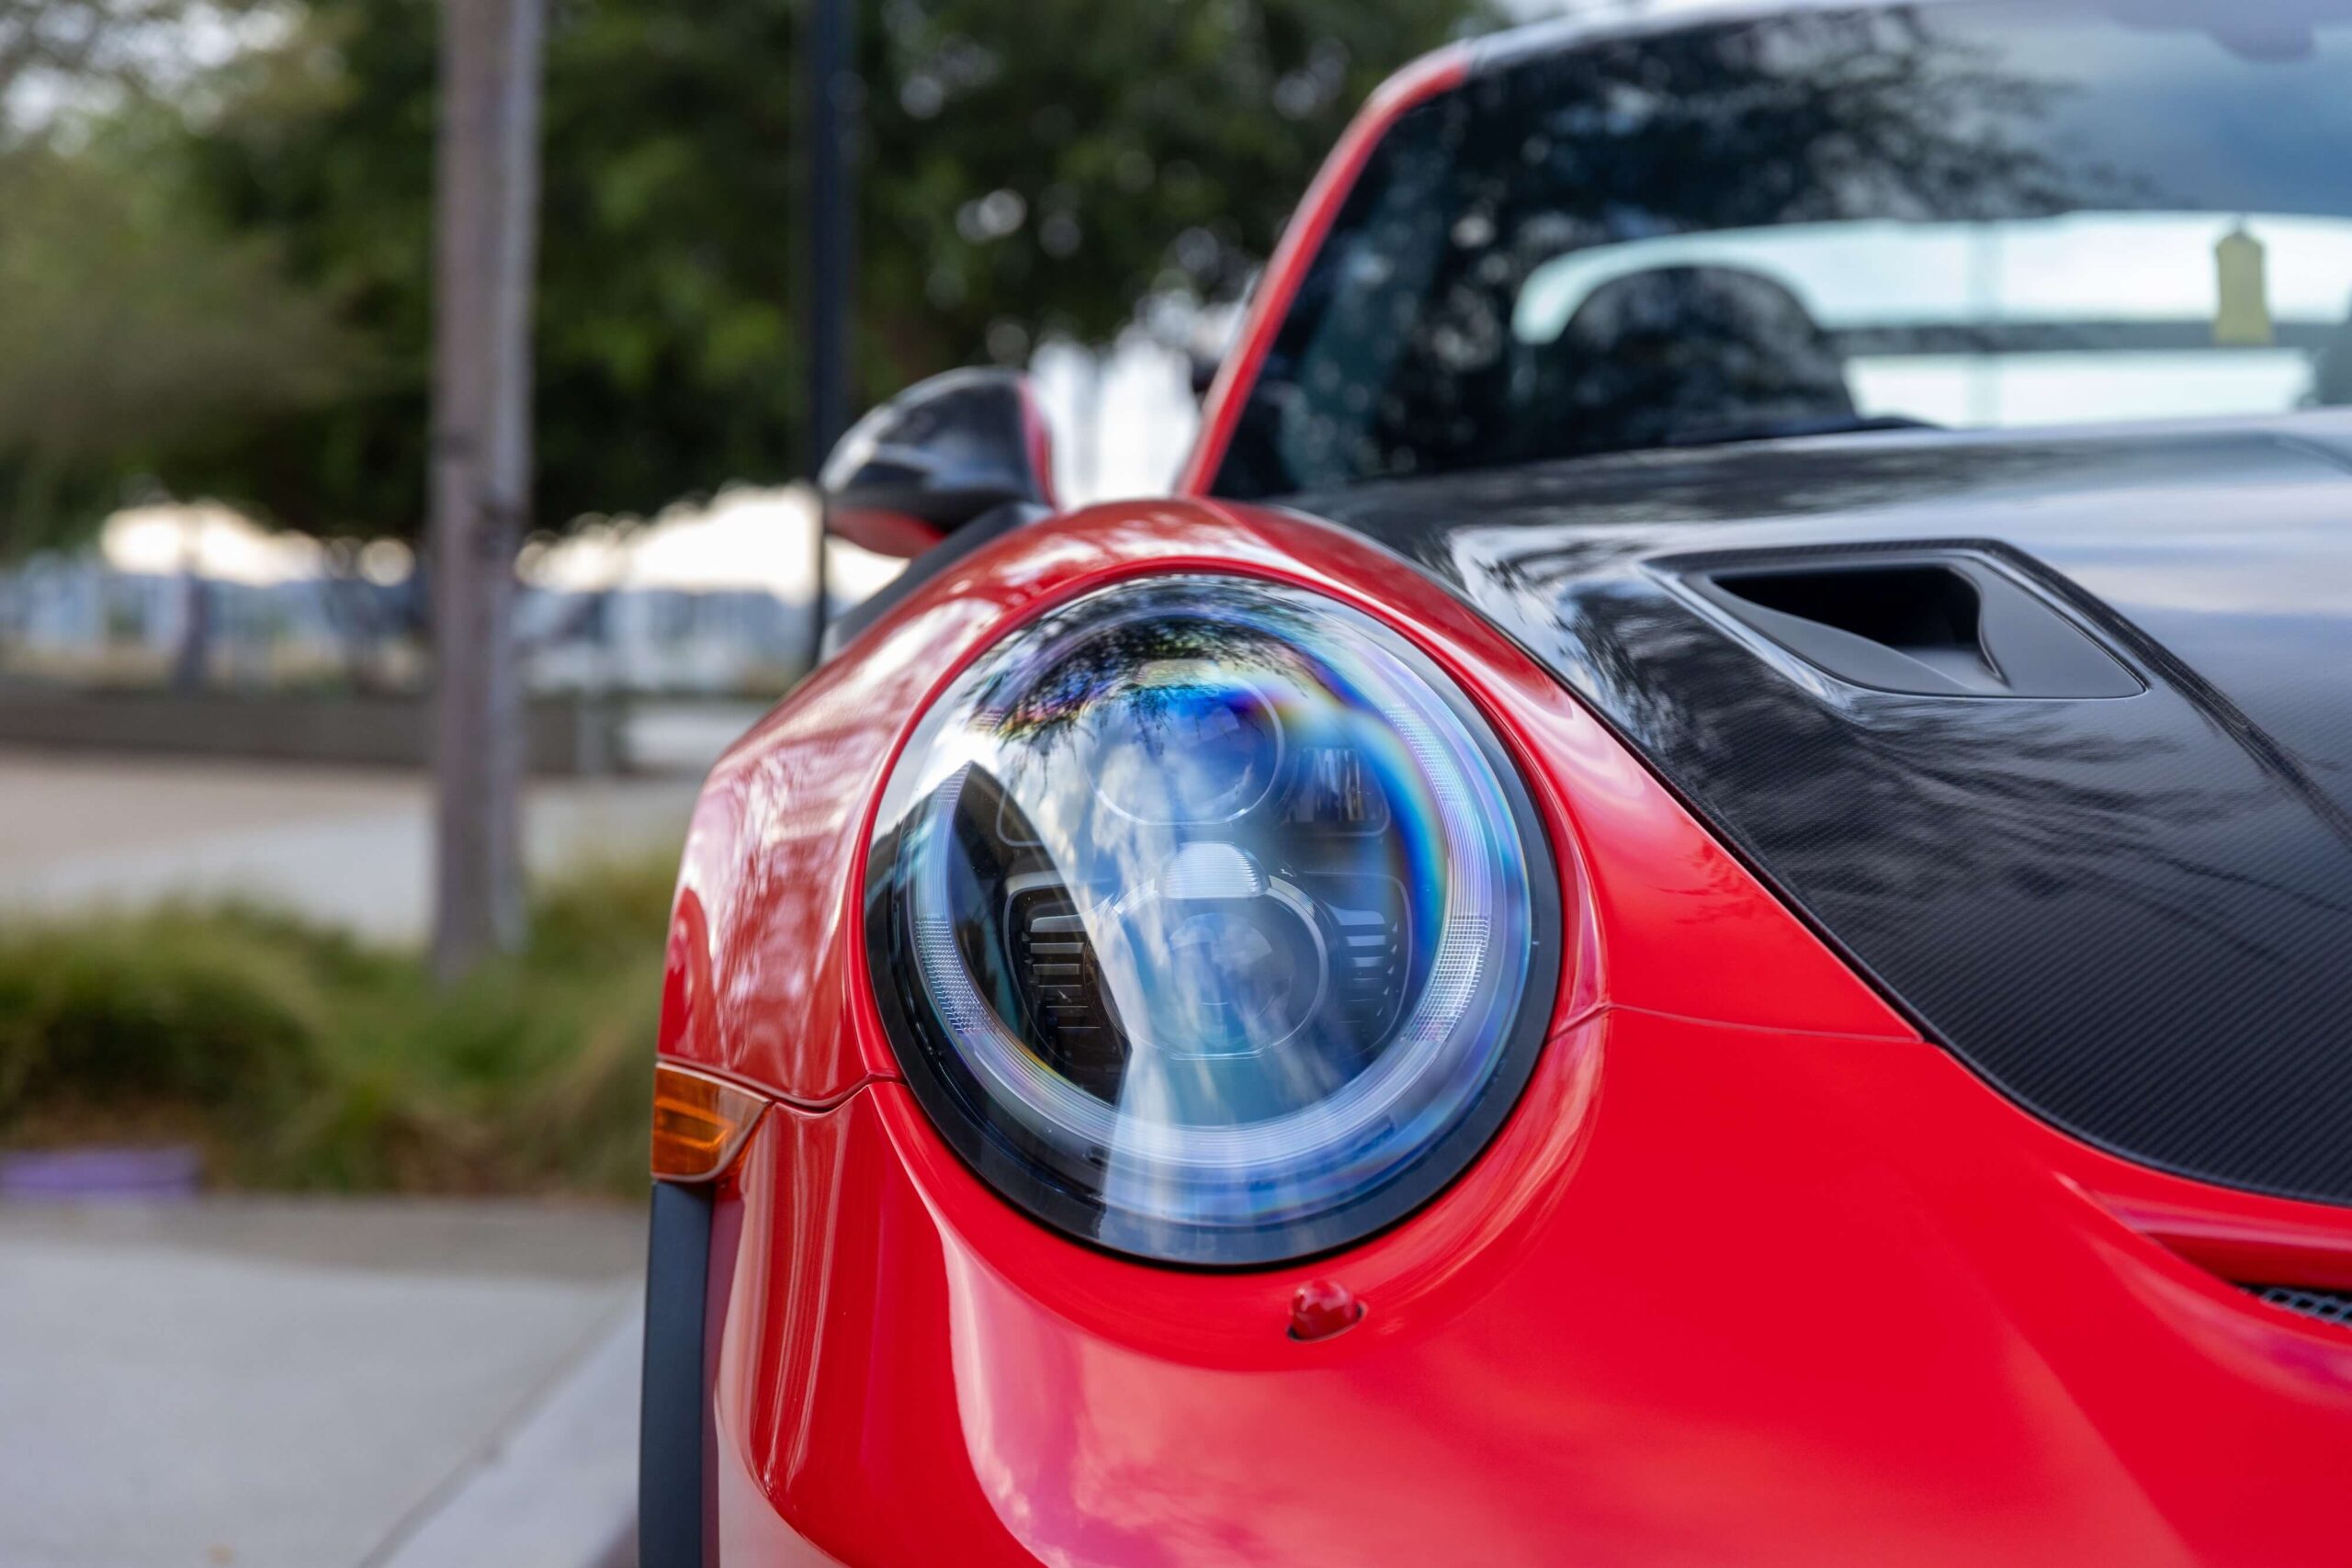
(350, 847)
(274, 1383)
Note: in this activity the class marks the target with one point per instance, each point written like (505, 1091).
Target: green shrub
(606, 910)
(304, 1059)
(168, 1008)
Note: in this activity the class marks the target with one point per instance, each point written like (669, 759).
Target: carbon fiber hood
(2131, 913)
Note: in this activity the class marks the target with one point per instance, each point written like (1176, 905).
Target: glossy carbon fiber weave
(2134, 915)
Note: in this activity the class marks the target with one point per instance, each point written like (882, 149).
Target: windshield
(1824, 222)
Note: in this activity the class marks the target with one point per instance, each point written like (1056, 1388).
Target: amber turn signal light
(699, 1123)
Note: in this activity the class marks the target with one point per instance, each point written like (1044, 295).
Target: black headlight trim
(1011, 1160)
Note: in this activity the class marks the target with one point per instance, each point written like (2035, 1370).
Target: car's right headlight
(1211, 922)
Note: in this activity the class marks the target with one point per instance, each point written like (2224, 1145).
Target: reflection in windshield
(1970, 215)
(2026, 322)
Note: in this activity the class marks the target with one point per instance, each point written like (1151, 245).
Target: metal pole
(485, 243)
(830, 299)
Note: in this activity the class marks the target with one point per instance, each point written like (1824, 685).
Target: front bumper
(1808, 1300)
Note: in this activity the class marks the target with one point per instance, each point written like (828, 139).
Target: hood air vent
(1935, 622)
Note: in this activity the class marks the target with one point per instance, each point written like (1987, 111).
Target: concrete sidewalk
(276, 1384)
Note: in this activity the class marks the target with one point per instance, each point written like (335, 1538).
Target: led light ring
(1051, 1103)
(1429, 1091)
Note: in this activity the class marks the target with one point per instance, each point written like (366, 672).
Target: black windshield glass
(1824, 222)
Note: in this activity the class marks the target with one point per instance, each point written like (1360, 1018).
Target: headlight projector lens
(1211, 922)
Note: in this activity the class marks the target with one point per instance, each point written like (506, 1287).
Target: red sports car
(1690, 904)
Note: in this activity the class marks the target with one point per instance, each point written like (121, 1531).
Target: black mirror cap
(939, 455)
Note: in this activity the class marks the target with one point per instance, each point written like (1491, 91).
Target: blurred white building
(701, 600)
(704, 599)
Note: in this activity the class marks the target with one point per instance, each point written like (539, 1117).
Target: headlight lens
(1201, 912)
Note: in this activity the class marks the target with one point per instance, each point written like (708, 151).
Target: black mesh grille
(2332, 1306)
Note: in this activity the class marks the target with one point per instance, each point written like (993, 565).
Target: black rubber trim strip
(670, 1433)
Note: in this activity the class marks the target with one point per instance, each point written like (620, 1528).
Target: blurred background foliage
(229, 271)
(295, 1056)
(132, 319)
(216, 222)
(133, 325)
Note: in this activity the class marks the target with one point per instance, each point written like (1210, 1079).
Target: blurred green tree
(61, 57)
(131, 319)
(1033, 167)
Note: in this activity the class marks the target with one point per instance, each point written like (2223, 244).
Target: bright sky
(1122, 430)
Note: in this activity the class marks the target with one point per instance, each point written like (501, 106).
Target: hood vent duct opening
(1937, 622)
(1926, 612)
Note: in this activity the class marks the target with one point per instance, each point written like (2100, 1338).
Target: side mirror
(937, 457)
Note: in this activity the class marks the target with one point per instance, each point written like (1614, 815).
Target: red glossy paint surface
(1775, 1299)
(1038, 436)
(884, 533)
(1752, 1274)
(1301, 237)
(766, 972)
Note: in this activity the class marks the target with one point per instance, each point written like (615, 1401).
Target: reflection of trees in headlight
(1119, 763)
(1188, 743)
(1199, 909)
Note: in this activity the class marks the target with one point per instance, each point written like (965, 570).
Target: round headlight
(1211, 922)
